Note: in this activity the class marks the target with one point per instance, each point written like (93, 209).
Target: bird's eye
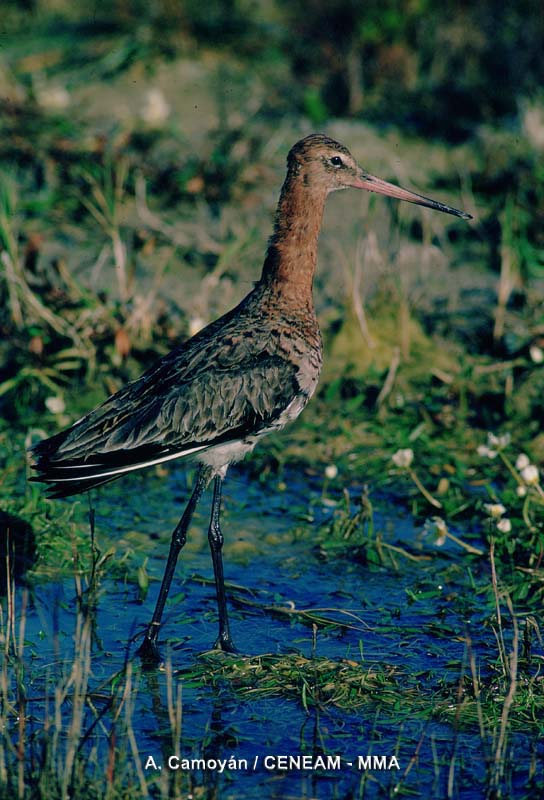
(336, 161)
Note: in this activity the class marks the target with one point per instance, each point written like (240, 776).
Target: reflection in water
(17, 549)
(226, 746)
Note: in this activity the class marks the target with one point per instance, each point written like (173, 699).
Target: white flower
(504, 525)
(331, 471)
(403, 458)
(530, 474)
(485, 452)
(536, 353)
(53, 98)
(521, 491)
(522, 461)
(533, 124)
(155, 110)
(435, 526)
(498, 441)
(495, 510)
(55, 405)
(195, 325)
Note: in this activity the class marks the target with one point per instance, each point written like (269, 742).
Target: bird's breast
(302, 346)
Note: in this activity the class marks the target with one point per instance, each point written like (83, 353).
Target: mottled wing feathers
(171, 411)
(233, 380)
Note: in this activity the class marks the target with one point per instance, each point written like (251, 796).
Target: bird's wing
(167, 413)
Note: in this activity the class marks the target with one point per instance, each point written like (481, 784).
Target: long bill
(373, 184)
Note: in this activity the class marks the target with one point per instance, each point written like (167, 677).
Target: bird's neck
(291, 258)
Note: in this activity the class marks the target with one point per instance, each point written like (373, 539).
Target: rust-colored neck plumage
(291, 259)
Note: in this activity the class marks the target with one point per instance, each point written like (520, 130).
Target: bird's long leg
(148, 650)
(215, 538)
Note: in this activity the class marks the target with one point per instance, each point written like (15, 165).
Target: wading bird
(246, 374)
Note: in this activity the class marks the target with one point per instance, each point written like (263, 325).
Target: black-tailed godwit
(246, 374)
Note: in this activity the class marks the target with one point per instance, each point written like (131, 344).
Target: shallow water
(415, 620)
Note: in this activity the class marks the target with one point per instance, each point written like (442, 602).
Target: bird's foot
(149, 653)
(225, 643)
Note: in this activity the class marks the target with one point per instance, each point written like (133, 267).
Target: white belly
(220, 457)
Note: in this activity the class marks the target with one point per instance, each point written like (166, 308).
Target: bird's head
(323, 163)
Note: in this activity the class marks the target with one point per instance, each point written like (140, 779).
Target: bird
(248, 373)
